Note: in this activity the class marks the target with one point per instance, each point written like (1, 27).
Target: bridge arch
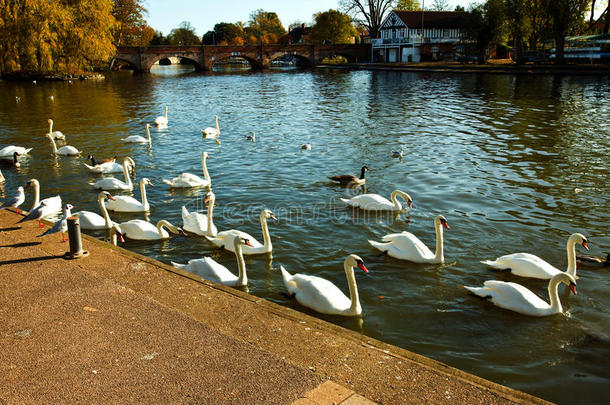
(305, 61)
(132, 65)
(255, 64)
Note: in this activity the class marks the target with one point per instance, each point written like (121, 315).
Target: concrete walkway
(116, 327)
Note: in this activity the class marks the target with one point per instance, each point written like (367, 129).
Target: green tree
(333, 26)
(568, 17)
(183, 35)
(484, 25)
(159, 39)
(369, 13)
(519, 25)
(264, 27)
(408, 5)
(228, 33)
(539, 21)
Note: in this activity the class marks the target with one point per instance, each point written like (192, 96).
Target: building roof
(432, 19)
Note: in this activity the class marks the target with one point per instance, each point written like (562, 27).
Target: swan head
(205, 155)
(145, 181)
(268, 214)
(238, 240)
(356, 261)
(173, 229)
(116, 231)
(406, 197)
(566, 279)
(32, 183)
(210, 196)
(50, 121)
(440, 220)
(103, 194)
(580, 239)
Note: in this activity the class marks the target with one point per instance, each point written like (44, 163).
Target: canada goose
(12, 162)
(593, 261)
(349, 180)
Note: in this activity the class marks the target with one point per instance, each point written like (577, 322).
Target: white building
(402, 41)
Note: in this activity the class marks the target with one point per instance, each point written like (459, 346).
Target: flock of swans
(314, 292)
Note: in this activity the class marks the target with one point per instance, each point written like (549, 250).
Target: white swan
(375, 202)
(211, 132)
(109, 166)
(517, 298)
(141, 230)
(528, 265)
(406, 246)
(161, 120)
(10, 150)
(115, 234)
(138, 138)
(91, 221)
(1, 177)
(110, 183)
(52, 205)
(65, 150)
(55, 134)
(125, 203)
(323, 296)
(224, 239)
(211, 270)
(201, 224)
(187, 180)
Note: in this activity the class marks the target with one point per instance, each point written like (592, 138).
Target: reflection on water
(515, 163)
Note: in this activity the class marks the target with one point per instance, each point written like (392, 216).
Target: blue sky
(165, 15)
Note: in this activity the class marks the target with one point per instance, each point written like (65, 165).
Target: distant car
(464, 59)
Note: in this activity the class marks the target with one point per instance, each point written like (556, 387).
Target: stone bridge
(259, 56)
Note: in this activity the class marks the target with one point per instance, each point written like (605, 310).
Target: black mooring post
(76, 242)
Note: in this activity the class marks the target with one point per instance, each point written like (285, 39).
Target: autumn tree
(369, 13)
(408, 5)
(63, 36)
(131, 28)
(333, 26)
(264, 27)
(183, 35)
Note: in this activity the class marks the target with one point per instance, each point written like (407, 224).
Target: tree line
(75, 36)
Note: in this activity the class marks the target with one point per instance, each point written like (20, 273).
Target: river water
(515, 163)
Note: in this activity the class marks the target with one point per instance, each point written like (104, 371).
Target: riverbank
(50, 77)
(121, 327)
(494, 67)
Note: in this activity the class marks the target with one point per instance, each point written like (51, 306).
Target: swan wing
(135, 139)
(90, 220)
(225, 239)
(408, 246)
(194, 222)
(211, 270)
(68, 151)
(512, 296)
(108, 167)
(319, 294)
(370, 202)
(524, 265)
(124, 203)
(141, 230)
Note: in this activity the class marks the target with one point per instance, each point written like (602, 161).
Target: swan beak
(181, 232)
(274, 218)
(247, 242)
(207, 198)
(362, 267)
(573, 288)
(110, 197)
(120, 236)
(445, 224)
(150, 184)
(410, 204)
(585, 245)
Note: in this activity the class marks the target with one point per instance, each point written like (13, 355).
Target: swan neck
(211, 227)
(206, 175)
(53, 143)
(126, 173)
(395, 201)
(353, 289)
(143, 194)
(160, 226)
(266, 236)
(242, 278)
(571, 249)
(217, 127)
(51, 126)
(554, 296)
(107, 220)
(36, 186)
(148, 133)
(439, 256)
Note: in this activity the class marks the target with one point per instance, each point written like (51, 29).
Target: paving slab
(119, 327)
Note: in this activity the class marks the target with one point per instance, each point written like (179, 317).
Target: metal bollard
(76, 242)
